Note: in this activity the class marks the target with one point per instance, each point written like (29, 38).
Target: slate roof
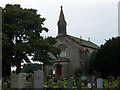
(81, 42)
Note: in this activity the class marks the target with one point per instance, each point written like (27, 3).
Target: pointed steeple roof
(61, 17)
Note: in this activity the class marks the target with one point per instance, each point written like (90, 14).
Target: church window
(63, 50)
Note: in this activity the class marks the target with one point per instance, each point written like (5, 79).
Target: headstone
(99, 83)
(61, 84)
(83, 77)
(50, 83)
(14, 81)
(22, 80)
(38, 79)
(69, 83)
(78, 83)
(89, 85)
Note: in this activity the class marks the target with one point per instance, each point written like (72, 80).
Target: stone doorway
(58, 68)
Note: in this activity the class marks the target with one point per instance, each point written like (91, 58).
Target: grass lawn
(105, 82)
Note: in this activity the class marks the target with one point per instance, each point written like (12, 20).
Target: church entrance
(58, 70)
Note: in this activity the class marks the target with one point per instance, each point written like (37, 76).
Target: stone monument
(38, 79)
(14, 81)
(22, 80)
(99, 83)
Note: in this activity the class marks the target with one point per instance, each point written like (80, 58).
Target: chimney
(80, 37)
(88, 39)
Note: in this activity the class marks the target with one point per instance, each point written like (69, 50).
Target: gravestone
(78, 83)
(14, 81)
(22, 80)
(61, 84)
(69, 83)
(50, 83)
(89, 85)
(38, 79)
(83, 77)
(99, 83)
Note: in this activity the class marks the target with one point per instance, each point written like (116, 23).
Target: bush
(77, 72)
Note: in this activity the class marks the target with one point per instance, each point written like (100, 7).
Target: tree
(92, 60)
(30, 68)
(107, 59)
(7, 53)
(22, 38)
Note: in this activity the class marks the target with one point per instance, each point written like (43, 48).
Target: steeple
(61, 23)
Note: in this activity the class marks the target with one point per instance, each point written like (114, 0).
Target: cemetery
(61, 56)
(37, 80)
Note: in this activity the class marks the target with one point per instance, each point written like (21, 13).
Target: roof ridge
(83, 42)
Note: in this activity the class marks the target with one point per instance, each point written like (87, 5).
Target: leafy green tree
(30, 68)
(7, 53)
(107, 59)
(92, 60)
(22, 37)
(42, 50)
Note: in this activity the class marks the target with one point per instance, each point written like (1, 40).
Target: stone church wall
(72, 52)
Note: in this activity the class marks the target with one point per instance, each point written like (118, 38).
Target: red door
(58, 70)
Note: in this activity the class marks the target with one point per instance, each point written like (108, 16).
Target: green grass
(115, 83)
(105, 82)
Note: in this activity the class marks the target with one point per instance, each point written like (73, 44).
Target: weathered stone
(14, 81)
(99, 83)
(50, 83)
(22, 80)
(78, 83)
(61, 84)
(69, 83)
(38, 79)
(83, 77)
(89, 85)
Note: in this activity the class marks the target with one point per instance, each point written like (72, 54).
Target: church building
(74, 54)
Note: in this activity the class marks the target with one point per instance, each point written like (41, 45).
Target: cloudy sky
(94, 19)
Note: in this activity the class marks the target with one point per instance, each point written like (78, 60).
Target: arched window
(63, 50)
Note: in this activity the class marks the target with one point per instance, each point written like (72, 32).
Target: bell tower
(61, 23)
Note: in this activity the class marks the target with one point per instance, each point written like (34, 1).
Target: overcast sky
(94, 19)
